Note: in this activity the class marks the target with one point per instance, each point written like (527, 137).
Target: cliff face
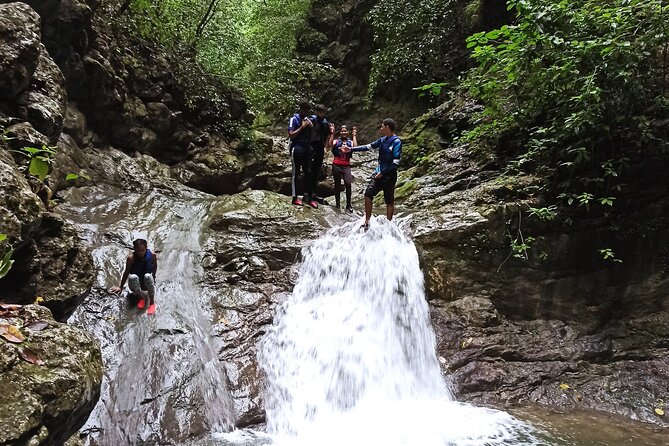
(561, 327)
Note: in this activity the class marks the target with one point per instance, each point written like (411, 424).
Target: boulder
(20, 47)
(49, 382)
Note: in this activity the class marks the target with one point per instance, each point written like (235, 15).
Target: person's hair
(321, 107)
(304, 105)
(138, 242)
(343, 126)
(390, 123)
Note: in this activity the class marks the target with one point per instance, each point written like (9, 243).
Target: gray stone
(47, 402)
(19, 47)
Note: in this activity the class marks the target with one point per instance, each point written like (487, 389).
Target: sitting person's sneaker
(141, 303)
(313, 204)
(297, 202)
(152, 309)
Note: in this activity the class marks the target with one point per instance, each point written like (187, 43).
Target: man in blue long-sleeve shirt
(385, 175)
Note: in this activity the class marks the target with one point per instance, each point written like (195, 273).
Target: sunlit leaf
(11, 333)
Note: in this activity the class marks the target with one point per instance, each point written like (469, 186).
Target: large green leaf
(39, 168)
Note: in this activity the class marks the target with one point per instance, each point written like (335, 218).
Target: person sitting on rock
(341, 162)
(385, 175)
(140, 272)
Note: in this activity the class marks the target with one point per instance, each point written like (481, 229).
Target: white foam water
(350, 358)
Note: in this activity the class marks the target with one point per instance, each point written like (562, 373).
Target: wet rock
(47, 402)
(46, 99)
(255, 238)
(19, 47)
(18, 205)
(224, 169)
(75, 123)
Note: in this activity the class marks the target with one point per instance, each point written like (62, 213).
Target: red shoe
(141, 303)
(297, 202)
(152, 309)
(313, 204)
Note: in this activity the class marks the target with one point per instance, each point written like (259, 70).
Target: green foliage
(578, 84)
(608, 254)
(434, 88)
(415, 38)
(247, 43)
(75, 177)
(40, 160)
(6, 262)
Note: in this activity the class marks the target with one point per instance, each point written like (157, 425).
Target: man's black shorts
(386, 184)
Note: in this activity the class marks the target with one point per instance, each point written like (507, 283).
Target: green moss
(406, 189)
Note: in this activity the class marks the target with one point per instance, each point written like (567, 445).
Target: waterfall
(163, 380)
(350, 358)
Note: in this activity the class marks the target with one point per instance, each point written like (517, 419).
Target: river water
(349, 360)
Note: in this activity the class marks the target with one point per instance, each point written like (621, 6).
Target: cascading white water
(350, 359)
(163, 380)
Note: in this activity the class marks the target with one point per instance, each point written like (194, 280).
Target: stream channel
(349, 359)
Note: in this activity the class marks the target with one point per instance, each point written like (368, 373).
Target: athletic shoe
(152, 309)
(349, 209)
(141, 303)
(365, 226)
(297, 202)
(313, 204)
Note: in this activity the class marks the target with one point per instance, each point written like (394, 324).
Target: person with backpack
(341, 162)
(140, 272)
(320, 134)
(385, 175)
(299, 132)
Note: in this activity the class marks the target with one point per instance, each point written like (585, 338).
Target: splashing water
(163, 380)
(351, 359)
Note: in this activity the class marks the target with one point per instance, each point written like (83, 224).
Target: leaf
(6, 263)
(71, 177)
(38, 325)
(30, 356)
(3, 237)
(564, 386)
(659, 411)
(38, 168)
(11, 333)
(38, 300)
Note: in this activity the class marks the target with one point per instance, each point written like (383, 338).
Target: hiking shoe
(313, 204)
(141, 303)
(152, 309)
(349, 209)
(365, 226)
(297, 202)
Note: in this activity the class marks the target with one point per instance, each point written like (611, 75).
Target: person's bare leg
(390, 210)
(368, 209)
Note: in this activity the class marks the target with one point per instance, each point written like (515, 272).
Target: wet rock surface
(255, 240)
(50, 382)
(559, 327)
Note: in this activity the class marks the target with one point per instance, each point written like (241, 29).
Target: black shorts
(386, 184)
